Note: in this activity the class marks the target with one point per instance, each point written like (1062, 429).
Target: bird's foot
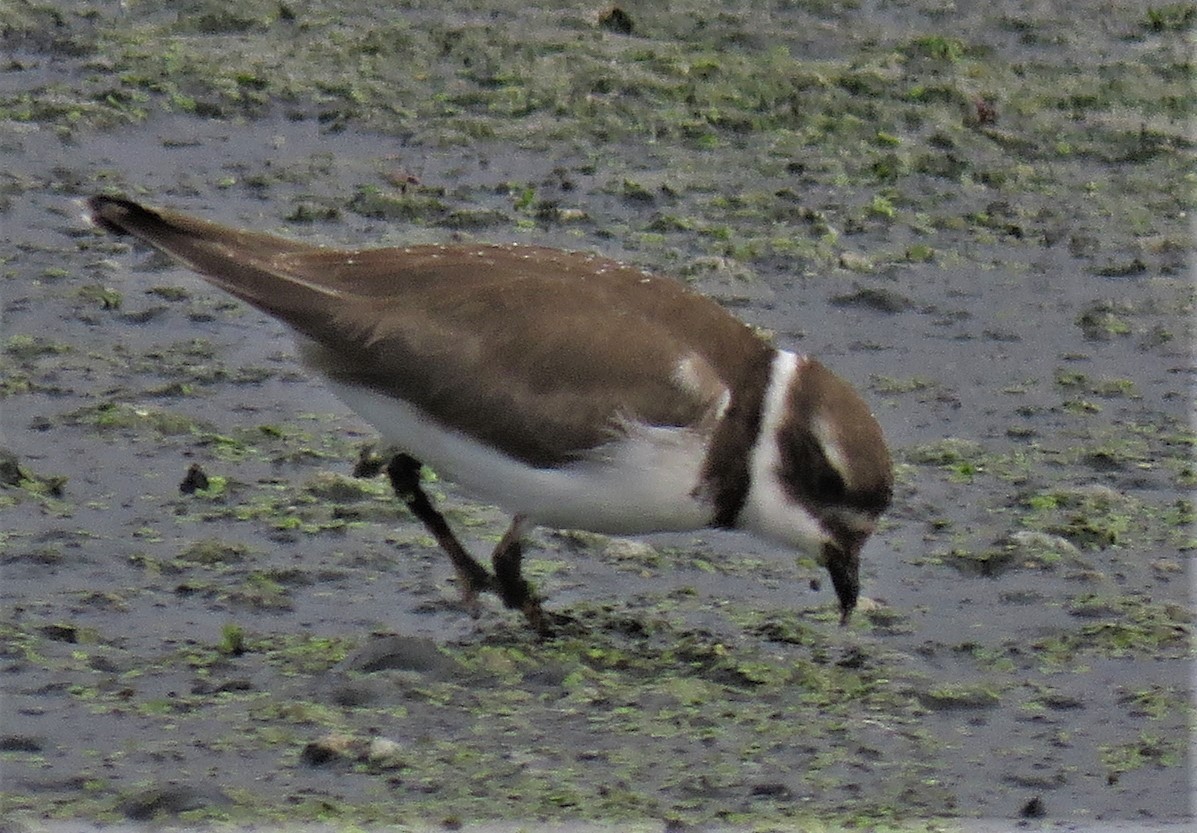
(473, 584)
(536, 617)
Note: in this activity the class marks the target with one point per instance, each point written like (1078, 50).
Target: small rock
(10, 469)
(195, 480)
(383, 752)
(772, 790)
(880, 300)
(626, 549)
(328, 748)
(855, 262)
(401, 653)
(1033, 809)
(379, 752)
(207, 687)
(170, 801)
(20, 743)
(60, 633)
(616, 20)
(1036, 542)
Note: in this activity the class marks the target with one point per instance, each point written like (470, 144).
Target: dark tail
(180, 235)
(257, 268)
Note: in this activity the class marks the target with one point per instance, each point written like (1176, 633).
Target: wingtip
(86, 207)
(106, 212)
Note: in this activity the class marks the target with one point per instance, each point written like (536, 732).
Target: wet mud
(978, 213)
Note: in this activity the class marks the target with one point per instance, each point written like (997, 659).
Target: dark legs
(513, 588)
(404, 473)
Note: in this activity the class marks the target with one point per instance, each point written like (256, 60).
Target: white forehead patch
(826, 435)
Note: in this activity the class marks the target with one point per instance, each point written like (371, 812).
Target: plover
(572, 390)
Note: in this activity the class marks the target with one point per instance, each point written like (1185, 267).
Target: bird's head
(821, 471)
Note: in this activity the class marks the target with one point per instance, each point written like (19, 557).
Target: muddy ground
(978, 213)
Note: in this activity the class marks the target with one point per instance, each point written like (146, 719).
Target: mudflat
(980, 214)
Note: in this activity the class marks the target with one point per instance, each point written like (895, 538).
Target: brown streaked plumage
(570, 388)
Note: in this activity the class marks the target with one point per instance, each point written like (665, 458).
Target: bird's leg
(404, 473)
(513, 588)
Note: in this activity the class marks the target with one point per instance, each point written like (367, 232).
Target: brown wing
(538, 351)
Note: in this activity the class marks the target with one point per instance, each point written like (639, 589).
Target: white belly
(644, 483)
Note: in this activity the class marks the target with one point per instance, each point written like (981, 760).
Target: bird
(572, 390)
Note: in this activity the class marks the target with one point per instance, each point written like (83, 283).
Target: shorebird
(572, 390)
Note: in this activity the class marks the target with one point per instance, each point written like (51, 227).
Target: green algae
(923, 148)
(119, 416)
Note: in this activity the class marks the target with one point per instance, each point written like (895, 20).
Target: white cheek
(768, 510)
(831, 447)
(771, 514)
